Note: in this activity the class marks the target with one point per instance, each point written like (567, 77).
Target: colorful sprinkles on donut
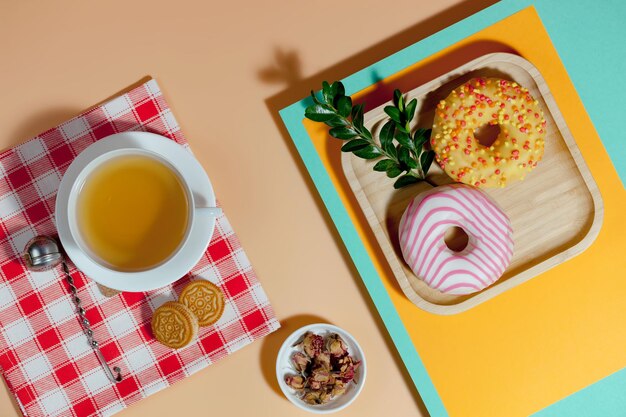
(516, 150)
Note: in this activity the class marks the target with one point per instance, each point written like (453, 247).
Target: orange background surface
(226, 68)
(553, 335)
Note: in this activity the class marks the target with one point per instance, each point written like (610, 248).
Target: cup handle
(209, 211)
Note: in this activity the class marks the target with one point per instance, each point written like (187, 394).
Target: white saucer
(190, 252)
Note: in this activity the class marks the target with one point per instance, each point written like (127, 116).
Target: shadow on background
(48, 119)
(285, 69)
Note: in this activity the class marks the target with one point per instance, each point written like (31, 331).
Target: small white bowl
(284, 367)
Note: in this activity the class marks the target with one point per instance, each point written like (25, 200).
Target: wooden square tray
(556, 212)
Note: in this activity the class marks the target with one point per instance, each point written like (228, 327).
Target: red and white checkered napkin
(44, 355)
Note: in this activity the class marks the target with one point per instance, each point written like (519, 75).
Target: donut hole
(456, 239)
(487, 134)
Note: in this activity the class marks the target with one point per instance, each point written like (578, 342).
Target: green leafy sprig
(402, 152)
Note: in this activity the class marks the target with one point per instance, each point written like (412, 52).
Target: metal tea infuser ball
(43, 253)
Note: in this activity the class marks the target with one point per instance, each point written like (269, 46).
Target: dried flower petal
(320, 374)
(312, 397)
(345, 363)
(300, 361)
(348, 375)
(336, 346)
(346, 367)
(338, 389)
(325, 368)
(331, 379)
(313, 344)
(324, 397)
(313, 384)
(323, 360)
(295, 381)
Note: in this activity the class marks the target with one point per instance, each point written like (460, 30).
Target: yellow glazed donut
(480, 101)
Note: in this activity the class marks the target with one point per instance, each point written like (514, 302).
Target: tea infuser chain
(117, 377)
(42, 253)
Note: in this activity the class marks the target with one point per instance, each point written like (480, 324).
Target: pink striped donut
(489, 249)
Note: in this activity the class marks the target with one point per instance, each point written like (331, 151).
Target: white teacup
(200, 202)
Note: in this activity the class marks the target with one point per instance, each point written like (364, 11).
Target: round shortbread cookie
(174, 325)
(205, 300)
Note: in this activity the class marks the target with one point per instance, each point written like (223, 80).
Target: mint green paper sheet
(606, 398)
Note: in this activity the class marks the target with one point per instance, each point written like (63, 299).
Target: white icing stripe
(443, 231)
(493, 234)
(495, 217)
(405, 218)
(478, 252)
(423, 227)
(438, 237)
(469, 258)
(487, 212)
(428, 252)
(469, 221)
